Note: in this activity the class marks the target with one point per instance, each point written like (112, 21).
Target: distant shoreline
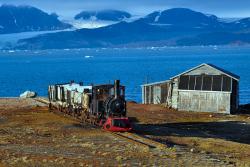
(127, 48)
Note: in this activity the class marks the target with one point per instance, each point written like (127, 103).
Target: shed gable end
(205, 69)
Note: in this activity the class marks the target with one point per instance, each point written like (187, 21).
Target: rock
(25, 159)
(104, 154)
(28, 94)
(118, 158)
(203, 152)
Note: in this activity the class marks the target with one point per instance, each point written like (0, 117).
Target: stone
(28, 94)
(118, 158)
(104, 154)
(25, 159)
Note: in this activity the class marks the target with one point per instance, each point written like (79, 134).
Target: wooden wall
(204, 101)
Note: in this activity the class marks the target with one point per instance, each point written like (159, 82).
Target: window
(207, 82)
(217, 79)
(191, 82)
(226, 84)
(184, 80)
(198, 82)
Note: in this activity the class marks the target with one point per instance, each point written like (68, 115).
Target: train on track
(103, 105)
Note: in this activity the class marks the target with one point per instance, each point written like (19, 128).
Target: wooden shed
(203, 88)
(155, 93)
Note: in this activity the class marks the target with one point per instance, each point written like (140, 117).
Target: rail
(130, 137)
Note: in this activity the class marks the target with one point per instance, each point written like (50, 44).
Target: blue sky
(221, 8)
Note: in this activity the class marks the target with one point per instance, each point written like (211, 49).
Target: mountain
(183, 17)
(242, 24)
(215, 38)
(109, 36)
(15, 19)
(105, 15)
(174, 27)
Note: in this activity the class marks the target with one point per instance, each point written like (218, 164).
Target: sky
(69, 8)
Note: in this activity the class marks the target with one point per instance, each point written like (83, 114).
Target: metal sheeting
(204, 101)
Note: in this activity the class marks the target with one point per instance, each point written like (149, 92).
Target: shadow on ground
(228, 130)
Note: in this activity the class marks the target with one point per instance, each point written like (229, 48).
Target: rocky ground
(223, 137)
(30, 135)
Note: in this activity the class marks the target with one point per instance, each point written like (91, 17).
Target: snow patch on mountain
(157, 17)
(91, 24)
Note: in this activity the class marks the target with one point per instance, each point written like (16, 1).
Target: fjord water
(35, 70)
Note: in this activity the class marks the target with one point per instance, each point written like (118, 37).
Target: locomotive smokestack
(117, 88)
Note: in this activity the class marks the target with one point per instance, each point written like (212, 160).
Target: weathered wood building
(203, 88)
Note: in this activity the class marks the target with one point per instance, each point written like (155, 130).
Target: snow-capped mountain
(97, 19)
(104, 15)
(173, 27)
(15, 19)
(182, 17)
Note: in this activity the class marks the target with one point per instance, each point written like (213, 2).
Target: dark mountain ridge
(15, 19)
(174, 27)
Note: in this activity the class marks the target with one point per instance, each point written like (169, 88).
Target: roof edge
(234, 76)
(155, 83)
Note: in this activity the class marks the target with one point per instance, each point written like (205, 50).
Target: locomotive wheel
(70, 110)
(75, 112)
(50, 107)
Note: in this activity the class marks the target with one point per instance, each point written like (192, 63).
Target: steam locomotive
(102, 105)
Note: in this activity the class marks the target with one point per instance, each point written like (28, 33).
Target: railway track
(128, 136)
(140, 140)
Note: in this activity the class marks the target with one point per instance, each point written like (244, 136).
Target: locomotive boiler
(102, 105)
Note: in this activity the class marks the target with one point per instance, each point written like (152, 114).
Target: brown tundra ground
(30, 135)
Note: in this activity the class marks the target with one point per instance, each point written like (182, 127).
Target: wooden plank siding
(155, 94)
(204, 101)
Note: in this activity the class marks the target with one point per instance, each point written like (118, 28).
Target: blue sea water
(35, 70)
